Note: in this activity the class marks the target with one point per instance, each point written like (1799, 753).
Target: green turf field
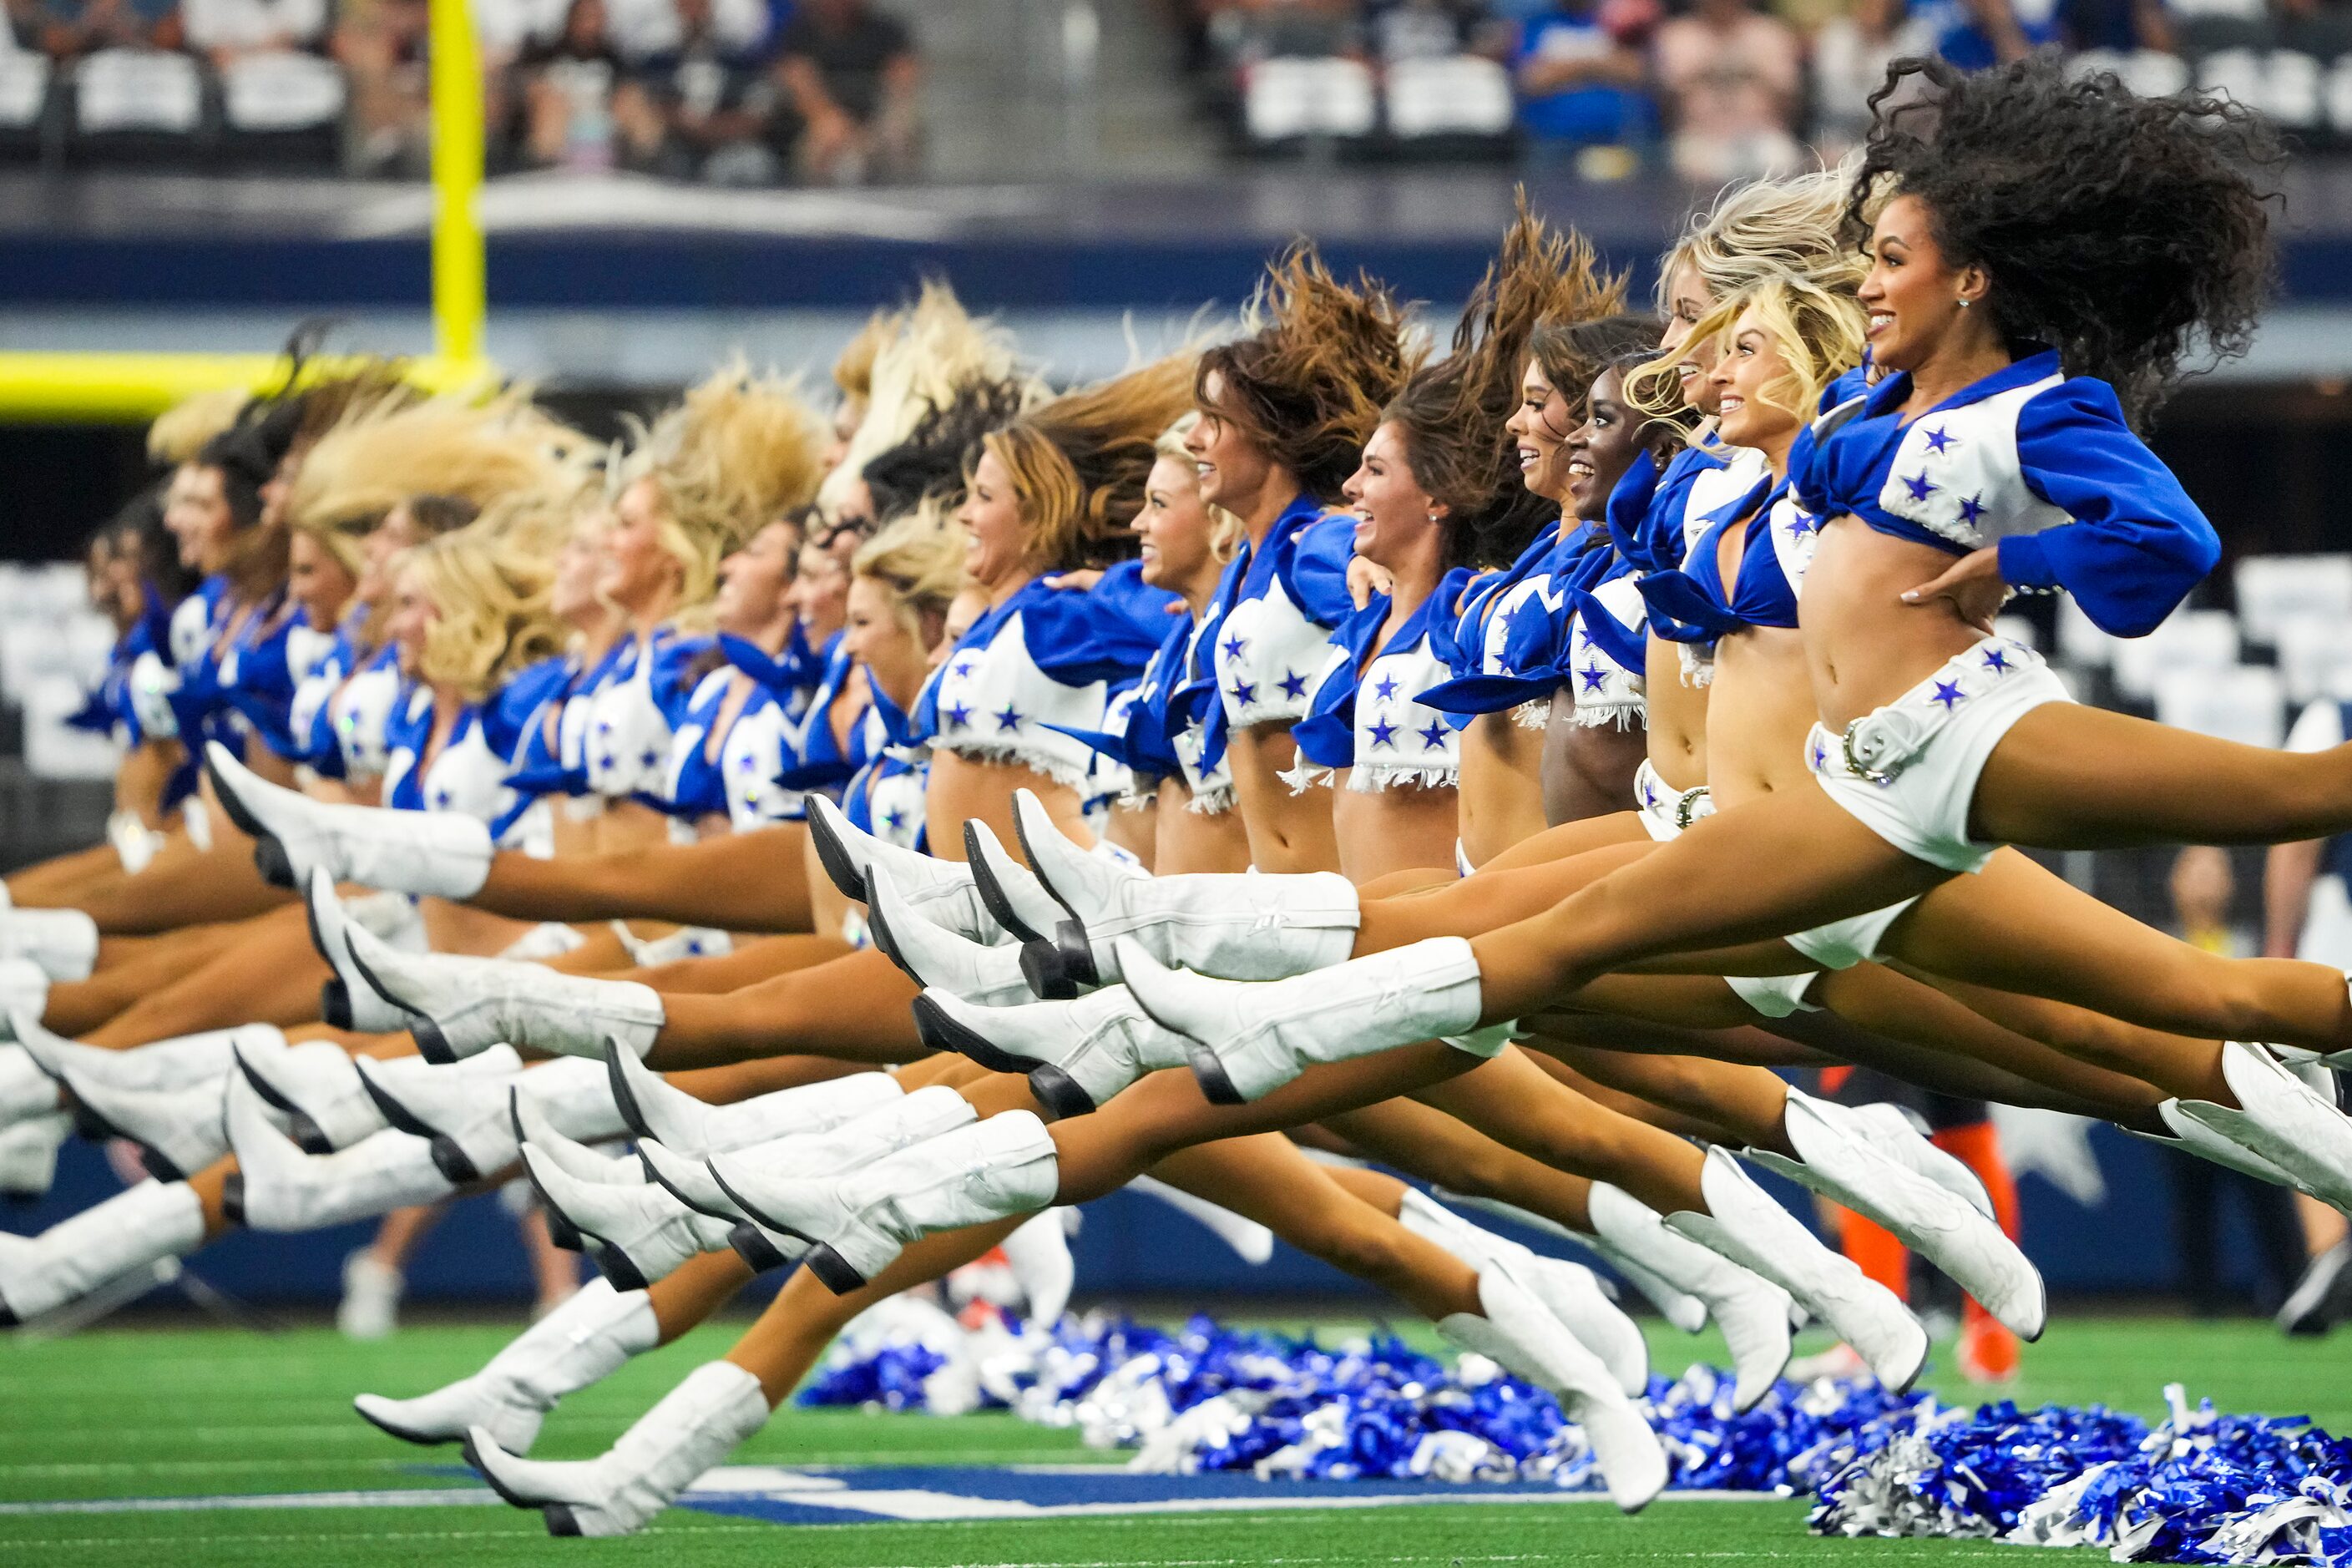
(203, 1412)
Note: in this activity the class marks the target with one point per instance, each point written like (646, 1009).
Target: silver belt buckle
(1856, 765)
(1686, 808)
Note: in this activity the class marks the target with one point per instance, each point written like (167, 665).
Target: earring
(1966, 303)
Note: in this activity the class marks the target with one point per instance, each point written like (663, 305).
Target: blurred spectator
(1253, 30)
(648, 30)
(380, 44)
(850, 73)
(2203, 887)
(1425, 29)
(224, 31)
(1579, 72)
(1851, 54)
(578, 110)
(66, 29)
(717, 105)
(1729, 78)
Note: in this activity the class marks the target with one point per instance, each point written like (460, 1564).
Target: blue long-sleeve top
(2037, 464)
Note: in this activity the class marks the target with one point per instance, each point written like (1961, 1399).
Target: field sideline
(218, 1415)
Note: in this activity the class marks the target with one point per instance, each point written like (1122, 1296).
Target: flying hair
(490, 597)
(181, 431)
(1078, 463)
(916, 561)
(938, 348)
(1316, 364)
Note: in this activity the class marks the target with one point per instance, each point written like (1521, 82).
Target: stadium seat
(1461, 104)
(2151, 73)
(143, 106)
(2276, 589)
(2080, 642)
(1287, 101)
(2314, 657)
(282, 108)
(2242, 702)
(2192, 642)
(24, 90)
(56, 749)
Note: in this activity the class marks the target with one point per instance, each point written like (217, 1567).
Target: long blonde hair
(489, 590)
(1078, 463)
(938, 350)
(739, 451)
(180, 432)
(918, 562)
(1225, 530)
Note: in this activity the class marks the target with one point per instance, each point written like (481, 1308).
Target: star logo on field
(1938, 439)
(1007, 720)
(1949, 694)
(1384, 733)
(1919, 485)
(1433, 738)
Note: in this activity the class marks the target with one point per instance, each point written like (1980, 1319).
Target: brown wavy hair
(1319, 361)
(1079, 463)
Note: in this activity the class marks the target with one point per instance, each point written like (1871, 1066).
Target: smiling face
(1750, 362)
(413, 615)
(1536, 425)
(1393, 513)
(196, 510)
(396, 532)
(317, 581)
(637, 571)
(1177, 535)
(819, 592)
(1602, 447)
(1688, 299)
(1234, 470)
(572, 596)
(1913, 293)
(875, 637)
(753, 580)
(997, 540)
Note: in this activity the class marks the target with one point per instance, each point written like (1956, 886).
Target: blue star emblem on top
(1821, 756)
(1385, 688)
(1801, 523)
(1234, 646)
(1293, 684)
(962, 670)
(959, 716)
(1245, 692)
(1938, 439)
(1595, 677)
(1949, 694)
(1919, 485)
(1007, 720)
(1972, 508)
(1433, 738)
(1996, 661)
(896, 819)
(1384, 733)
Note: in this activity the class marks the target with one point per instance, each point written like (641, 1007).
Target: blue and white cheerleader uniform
(1367, 715)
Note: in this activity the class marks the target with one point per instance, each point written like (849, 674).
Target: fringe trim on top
(1212, 801)
(1533, 715)
(1306, 775)
(1624, 715)
(1372, 781)
(1697, 669)
(1071, 775)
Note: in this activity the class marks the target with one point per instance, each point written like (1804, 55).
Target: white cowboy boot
(24, 989)
(1746, 1225)
(28, 1087)
(1250, 1040)
(347, 1002)
(1888, 1128)
(2283, 1120)
(277, 1187)
(1016, 901)
(1252, 1242)
(1752, 1311)
(1514, 1328)
(578, 1160)
(654, 1109)
(1235, 927)
(444, 853)
(29, 1154)
(2190, 1136)
(470, 1119)
(465, 1006)
(316, 1085)
(1567, 1290)
(939, 891)
(863, 1219)
(589, 1337)
(1931, 1220)
(696, 1425)
(178, 1130)
(933, 955)
(636, 1233)
(1038, 1253)
(165, 1064)
(931, 1111)
(1679, 1307)
(1076, 1054)
(61, 944)
(134, 1229)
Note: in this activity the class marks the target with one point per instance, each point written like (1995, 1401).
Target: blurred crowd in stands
(1715, 90)
(731, 91)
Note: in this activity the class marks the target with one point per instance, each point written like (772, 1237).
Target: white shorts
(1841, 944)
(1665, 811)
(1908, 770)
(1774, 996)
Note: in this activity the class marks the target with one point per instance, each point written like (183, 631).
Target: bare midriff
(1865, 645)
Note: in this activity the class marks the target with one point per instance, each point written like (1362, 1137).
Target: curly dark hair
(2121, 231)
(1320, 360)
(930, 461)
